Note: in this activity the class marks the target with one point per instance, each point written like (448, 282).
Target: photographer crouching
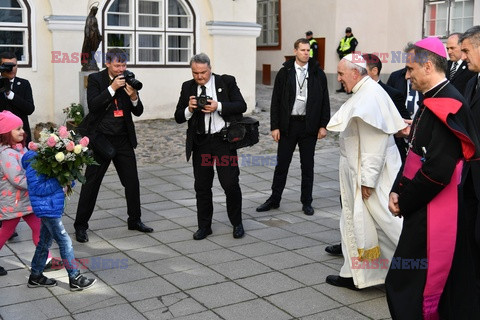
(112, 96)
(209, 102)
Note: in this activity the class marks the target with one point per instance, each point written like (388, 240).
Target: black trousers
(210, 151)
(126, 165)
(286, 147)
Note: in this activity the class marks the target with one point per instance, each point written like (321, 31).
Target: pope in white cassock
(369, 163)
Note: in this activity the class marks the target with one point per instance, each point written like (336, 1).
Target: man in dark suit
(457, 71)
(470, 47)
(111, 103)
(18, 100)
(397, 80)
(207, 123)
(299, 113)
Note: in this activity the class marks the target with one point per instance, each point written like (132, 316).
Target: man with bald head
(369, 162)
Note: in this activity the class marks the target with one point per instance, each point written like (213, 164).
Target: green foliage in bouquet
(62, 155)
(74, 113)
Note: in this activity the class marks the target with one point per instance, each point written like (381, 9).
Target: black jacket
(100, 101)
(399, 100)
(397, 80)
(22, 103)
(228, 93)
(461, 77)
(284, 95)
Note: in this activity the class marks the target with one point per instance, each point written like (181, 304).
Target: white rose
(78, 148)
(60, 157)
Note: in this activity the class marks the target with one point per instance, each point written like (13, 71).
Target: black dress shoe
(3, 272)
(335, 249)
(268, 205)
(139, 226)
(81, 235)
(202, 233)
(238, 231)
(308, 210)
(341, 282)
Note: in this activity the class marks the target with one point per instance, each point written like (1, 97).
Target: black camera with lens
(5, 82)
(130, 79)
(202, 101)
(7, 66)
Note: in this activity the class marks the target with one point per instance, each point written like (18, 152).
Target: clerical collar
(437, 87)
(359, 84)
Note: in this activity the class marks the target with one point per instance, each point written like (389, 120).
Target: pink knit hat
(434, 45)
(9, 121)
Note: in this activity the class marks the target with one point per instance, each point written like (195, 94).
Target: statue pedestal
(82, 82)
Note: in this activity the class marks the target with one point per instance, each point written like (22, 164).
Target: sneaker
(40, 281)
(81, 283)
(3, 272)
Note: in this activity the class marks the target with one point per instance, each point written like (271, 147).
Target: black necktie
(453, 70)
(201, 116)
(475, 89)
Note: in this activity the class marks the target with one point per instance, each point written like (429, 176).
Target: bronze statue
(91, 41)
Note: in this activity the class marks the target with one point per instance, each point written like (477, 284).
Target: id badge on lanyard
(117, 113)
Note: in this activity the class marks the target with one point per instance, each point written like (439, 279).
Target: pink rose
(32, 146)
(63, 132)
(51, 142)
(84, 141)
(70, 146)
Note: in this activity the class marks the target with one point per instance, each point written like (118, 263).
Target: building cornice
(231, 28)
(65, 23)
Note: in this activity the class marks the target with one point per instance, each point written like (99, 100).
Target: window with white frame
(14, 29)
(448, 16)
(152, 32)
(267, 17)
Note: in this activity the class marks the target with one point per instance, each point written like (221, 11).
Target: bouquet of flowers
(62, 155)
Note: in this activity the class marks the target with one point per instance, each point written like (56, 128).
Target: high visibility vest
(311, 41)
(345, 43)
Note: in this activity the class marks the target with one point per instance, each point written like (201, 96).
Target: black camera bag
(243, 133)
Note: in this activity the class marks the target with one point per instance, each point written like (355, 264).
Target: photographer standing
(205, 138)
(17, 99)
(111, 102)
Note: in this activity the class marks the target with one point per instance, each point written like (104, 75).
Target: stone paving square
(276, 272)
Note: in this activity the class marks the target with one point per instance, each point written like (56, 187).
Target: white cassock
(368, 157)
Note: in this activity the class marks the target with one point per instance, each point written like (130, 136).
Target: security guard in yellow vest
(313, 45)
(347, 45)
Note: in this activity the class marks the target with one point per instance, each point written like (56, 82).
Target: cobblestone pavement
(276, 272)
(163, 141)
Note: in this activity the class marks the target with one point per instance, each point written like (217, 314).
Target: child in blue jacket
(48, 200)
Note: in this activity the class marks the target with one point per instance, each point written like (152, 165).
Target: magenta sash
(441, 235)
